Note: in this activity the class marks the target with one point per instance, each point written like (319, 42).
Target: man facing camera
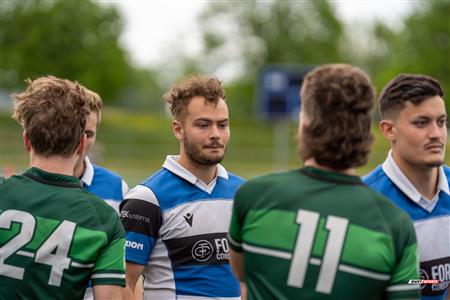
(413, 175)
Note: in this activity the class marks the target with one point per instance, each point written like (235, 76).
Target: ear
(387, 128)
(178, 130)
(81, 150)
(26, 142)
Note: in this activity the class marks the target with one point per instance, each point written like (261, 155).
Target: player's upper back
(322, 235)
(52, 233)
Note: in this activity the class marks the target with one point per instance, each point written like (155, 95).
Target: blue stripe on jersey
(379, 181)
(106, 184)
(211, 281)
(171, 190)
(138, 247)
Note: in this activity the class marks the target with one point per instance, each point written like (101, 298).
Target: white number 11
(337, 228)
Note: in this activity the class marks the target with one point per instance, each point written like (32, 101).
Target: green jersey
(54, 237)
(313, 234)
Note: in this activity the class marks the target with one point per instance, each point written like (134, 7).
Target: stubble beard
(194, 153)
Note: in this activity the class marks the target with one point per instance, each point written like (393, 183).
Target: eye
(442, 122)
(223, 125)
(89, 134)
(202, 125)
(420, 123)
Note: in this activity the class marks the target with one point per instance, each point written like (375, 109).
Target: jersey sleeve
(407, 266)
(141, 217)
(124, 189)
(237, 219)
(109, 267)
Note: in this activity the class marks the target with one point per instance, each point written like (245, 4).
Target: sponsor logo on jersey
(134, 245)
(189, 217)
(202, 250)
(125, 214)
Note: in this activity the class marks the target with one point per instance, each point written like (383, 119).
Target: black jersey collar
(52, 178)
(325, 175)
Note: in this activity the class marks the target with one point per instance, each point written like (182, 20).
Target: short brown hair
(337, 99)
(414, 88)
(53, 114)
(180, 95)
(94, 102)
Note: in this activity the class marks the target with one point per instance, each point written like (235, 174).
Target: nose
(214, 133)
(435, 131)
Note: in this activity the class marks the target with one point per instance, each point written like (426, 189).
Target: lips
(434, 146)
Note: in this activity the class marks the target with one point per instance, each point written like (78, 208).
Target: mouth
(214, 147)
(434, 147)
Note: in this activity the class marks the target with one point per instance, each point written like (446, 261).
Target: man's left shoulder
(104, 172)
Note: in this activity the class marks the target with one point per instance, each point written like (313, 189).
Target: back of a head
(53, 114)
(195, 85)
(337, 100)
(413, 88)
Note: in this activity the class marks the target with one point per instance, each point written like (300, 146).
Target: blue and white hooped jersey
(106, 184)
(432, 224)
(177, 230)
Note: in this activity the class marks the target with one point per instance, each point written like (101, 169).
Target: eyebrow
(209, 120)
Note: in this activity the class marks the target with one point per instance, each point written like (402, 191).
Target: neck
(205, 173)
(424, 179)
(53, 164)
(311, 162)
(80, 166)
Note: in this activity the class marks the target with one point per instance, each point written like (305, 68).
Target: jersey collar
(88, 173)
(394, 173)
(173, 166)
(52, 178)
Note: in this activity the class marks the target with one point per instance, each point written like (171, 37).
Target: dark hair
(414, 88)
(53, 114)
(337, 101)
(180, 95)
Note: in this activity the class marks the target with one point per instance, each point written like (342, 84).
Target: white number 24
(337, 228)
(52, 252)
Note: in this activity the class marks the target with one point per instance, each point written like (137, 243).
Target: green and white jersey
(54, 236)
(313, 234)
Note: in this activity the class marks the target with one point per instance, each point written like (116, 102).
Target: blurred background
(130, 52)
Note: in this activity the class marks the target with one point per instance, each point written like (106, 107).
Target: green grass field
(135, 144)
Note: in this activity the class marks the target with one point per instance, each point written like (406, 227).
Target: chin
(434, 163)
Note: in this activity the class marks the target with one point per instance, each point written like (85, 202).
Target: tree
(77, 40)
(422, 46)
(270, 32)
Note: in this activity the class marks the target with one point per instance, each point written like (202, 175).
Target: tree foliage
(269, 32)
(77, 40)
(422, 46)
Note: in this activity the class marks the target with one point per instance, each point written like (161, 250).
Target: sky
(151, 27)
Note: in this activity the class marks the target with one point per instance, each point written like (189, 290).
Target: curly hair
(414, 88)
(337, 100)
(94, 102)
(53, 114)
(180, 95)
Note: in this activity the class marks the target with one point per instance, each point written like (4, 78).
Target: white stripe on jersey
(158, 273)
(108, 275)
(426, 235)
(212, 215)
(315, 261)
(142, 193)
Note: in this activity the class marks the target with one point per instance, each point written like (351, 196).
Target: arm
(237, 264)
(112, 292)
(133, 272)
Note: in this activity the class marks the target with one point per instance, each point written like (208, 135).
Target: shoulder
(374, 176)
(101, 171)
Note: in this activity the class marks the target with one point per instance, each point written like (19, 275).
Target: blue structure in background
(279, 88)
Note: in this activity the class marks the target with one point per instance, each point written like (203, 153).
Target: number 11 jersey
(314, 234)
